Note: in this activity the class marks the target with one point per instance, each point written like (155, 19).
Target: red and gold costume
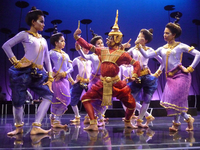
(109, 84)
(111, 60)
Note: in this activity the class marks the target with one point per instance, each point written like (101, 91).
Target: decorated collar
(171, 46)
(59, 50)
(37, 35)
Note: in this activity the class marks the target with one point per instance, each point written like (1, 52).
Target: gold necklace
(37, 35)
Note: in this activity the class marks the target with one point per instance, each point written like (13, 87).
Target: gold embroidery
(113, 57)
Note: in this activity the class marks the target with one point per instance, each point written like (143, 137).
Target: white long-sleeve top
(95, 61)
(36, 49)
(61, 61)
(174, 58)
(84, 67)
(137, 55)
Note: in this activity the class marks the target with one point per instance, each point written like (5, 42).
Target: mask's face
(110, 41)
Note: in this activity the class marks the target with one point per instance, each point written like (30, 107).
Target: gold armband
(92, 49)
(76, 37)
(14, 60)
(191, 48)
(190, 69)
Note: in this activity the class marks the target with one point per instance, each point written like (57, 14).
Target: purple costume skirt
(175, 95)
(61, 97)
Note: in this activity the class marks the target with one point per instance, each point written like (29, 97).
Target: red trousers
(120, 90)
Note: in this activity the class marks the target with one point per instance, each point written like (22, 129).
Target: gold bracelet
(64, 74)
(134, 75)
(50, 74)
(18, 65)
(14, 60)
(36, 124)
(190, 69)
(51, 79)
(76, 37)
(132, 61)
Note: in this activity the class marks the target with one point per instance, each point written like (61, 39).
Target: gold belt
(110, 79)
(29, 63)
(37, 66)
(81, 79)
(107, 89)
(144, 72)
(172, 73)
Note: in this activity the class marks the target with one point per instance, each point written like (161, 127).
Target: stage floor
(111, 137)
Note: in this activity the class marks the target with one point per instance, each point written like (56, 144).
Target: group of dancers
(109, 72)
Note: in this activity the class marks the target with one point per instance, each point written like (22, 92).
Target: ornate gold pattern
(170, 47)
(113, 57)
(107, 89)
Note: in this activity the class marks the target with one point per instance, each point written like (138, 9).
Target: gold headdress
(115, 32)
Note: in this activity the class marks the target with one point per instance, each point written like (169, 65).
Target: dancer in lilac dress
(174, 97)
(144, 90)
(28, 72)
(61, 87)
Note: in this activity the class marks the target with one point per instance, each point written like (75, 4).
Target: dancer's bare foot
(18, 130)
(39, 130)
(139, 124)
(58, 125)
(129, 125)
(149, 119)
(93, 127)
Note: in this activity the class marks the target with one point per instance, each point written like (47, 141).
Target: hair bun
(33, 8)
(151, 30)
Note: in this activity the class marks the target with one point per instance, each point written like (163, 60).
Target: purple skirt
(175, 95)
(61, 97)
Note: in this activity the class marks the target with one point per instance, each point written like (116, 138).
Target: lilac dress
(175, 94)
(61, 88)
